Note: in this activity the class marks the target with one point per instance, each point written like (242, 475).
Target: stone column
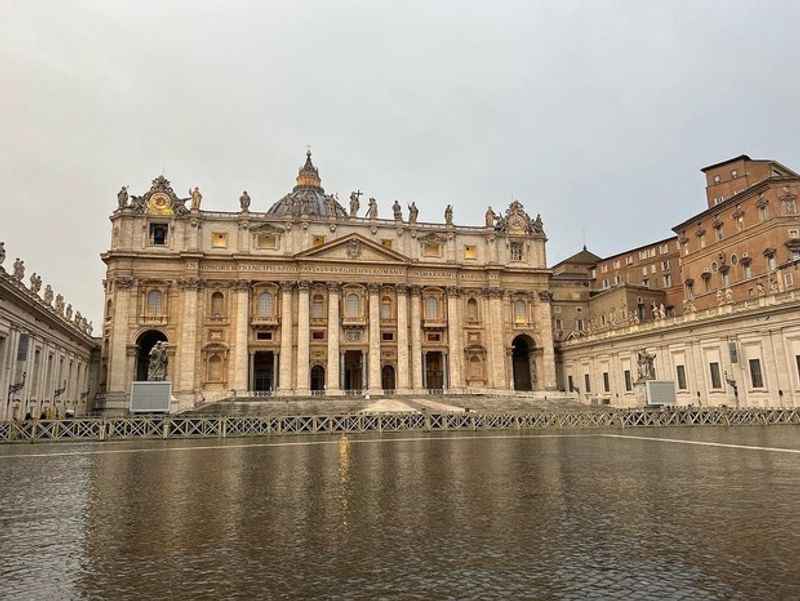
(240, 337)
(455, 345)
(118, 362)
(374, 375)
(275, 357)
(332, 375)
(187, 345)
(303, 356)
(416, 339)
(544, 323)
(403, 375)
(497, 352)
(285, 379)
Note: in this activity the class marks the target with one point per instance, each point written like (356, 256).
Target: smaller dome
(308, 197)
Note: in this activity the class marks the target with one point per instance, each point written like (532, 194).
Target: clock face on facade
(159, 204)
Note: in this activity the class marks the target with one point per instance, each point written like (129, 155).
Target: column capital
(401, 288)
(374, 288)
(545, 296)
(415, 290)
(453, 291)
(334, 287)
(242, 285)
(124, 281)
(287, 286)
(189, 283)
(494, 292)
(303, 285)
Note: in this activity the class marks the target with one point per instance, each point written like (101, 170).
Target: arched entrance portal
(144, 344)
(387, 377)
(317, 378)
(521, 357)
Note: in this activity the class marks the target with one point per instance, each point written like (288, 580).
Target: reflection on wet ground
(574, 516)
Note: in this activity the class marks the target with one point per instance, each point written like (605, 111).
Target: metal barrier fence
(220, 426)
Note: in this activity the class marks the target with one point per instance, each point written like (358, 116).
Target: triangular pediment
(353, 248)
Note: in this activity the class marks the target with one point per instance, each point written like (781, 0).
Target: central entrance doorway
(521, 362)
(317, 378)
(264, 371)
(434, 370)
(353, 370)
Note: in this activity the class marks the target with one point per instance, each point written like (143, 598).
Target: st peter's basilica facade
(310, 297)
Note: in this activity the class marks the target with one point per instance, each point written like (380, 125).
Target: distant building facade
(717, 303)
(48, 359)
(310, 297)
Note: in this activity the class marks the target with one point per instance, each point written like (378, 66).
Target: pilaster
(403, 375)
(285, 377)
(239, 381)
(303, 356)
(416, 338)
(332, 375)
(374, 374)
(454, 342)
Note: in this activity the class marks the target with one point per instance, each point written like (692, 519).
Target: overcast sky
(596, 115)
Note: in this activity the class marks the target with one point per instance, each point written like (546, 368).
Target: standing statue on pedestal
(413, 212)
(331, 202)
(646, 368)
(68, 312)
(48, 295)
(355, 205)
(372, 209)
(122, 197)
(59, 304)
(398, 211)
(19, 269)
(197, 198)
(157, 364)
(490, 217)
(36, 283)
(244, 201)
(448, 215)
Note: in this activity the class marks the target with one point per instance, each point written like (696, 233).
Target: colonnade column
(402, 339)
(497, 351)
(374, 374)
(544, 318)
(332, 375)
(285, 378)
(416, 339)
(187, 347)
(303, 357)
(117, 376)
(240, 344)
(454, 343)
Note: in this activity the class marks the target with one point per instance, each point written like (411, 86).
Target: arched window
(215, 368)
(154, 302)
(472, 309)
(317, 307)
(431, 307)
(520, 310)
(217, 304)
(386, 308)
(265, 304)
(108, 309)
(352, 305)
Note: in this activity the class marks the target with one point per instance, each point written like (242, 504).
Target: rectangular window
(628, 383)
(267, 241)
(716, 380)
(158, 234)
(318, 335)
(319, 240)
(668, 280)
(219, 240)
(606, 384)
(681, 371)
(579, 325)
(434, 337)
(387, 336)
(263, 335)
(763, 213)
(720, 233)
(756, 379)
(432, 249)
(571, 384)
(22, 349)
(558, 324)
(516, 251)
(386, 243)
(587, 383)
(470, 251)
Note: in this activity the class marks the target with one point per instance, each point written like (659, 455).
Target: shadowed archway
(144, 344)
(521, 357)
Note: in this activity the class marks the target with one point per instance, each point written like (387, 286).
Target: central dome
(308, 197)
